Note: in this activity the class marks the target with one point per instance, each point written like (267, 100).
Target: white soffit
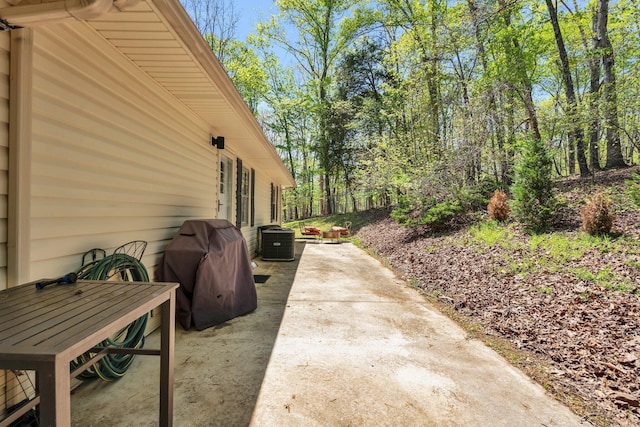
(175, 55)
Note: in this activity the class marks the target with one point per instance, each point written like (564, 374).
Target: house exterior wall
(262, 210)
(261, 207)
(114, 158)
(5, 39)
(107, 156)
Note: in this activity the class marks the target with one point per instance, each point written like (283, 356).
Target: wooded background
(418, 103)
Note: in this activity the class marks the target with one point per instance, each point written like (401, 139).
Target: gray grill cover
(210, 260)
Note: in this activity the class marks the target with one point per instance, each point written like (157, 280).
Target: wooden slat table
(44, 330)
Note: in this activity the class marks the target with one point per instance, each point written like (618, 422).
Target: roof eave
(184, 27)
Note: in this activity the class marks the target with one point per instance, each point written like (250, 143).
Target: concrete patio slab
(336, 340)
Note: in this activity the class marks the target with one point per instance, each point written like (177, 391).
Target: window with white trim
(244, 196)
(274, 202)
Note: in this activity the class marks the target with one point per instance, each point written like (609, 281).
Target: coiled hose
(114, 366)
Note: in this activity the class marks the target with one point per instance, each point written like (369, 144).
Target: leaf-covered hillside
(566, 303)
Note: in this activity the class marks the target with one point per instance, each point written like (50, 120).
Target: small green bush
(413, 212)
(438, 216)
(409, 210)
(472, 198)
(402, 212)
(416, 210)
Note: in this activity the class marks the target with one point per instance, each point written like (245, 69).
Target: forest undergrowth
(563, 306)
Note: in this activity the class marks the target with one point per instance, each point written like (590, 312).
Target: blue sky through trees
(250, 13)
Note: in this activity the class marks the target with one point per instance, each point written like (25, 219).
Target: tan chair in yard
(347, 232)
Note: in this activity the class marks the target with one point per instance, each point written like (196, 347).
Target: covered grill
(210, 260)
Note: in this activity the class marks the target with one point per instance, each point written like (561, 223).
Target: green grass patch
(566, 247)
(545, 289)
(632, 263)
(521, 266)
(491, 234)
(604, 278)
(583, 274)
(414, 283)
(552, 253)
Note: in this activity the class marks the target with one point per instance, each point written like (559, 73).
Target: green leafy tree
(247, 71)
(357, 112)
(325, 28)
(533, 203)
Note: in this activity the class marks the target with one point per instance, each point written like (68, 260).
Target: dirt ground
(580, 339)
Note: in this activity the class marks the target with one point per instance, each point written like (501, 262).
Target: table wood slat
(25, 303)
(79, 317)
(63, 306)
(94, 323)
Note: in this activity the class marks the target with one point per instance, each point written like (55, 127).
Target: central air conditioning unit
(278, 244)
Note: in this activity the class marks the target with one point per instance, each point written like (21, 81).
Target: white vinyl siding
(5, 41)
(115, 158)
(263, 200)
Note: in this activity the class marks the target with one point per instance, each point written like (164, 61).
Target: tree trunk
(576, 135)
(571, 153)
(594, 88)
(430, 58)
(614, 149)
(325, 141)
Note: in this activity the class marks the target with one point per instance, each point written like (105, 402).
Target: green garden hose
(114, 366)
